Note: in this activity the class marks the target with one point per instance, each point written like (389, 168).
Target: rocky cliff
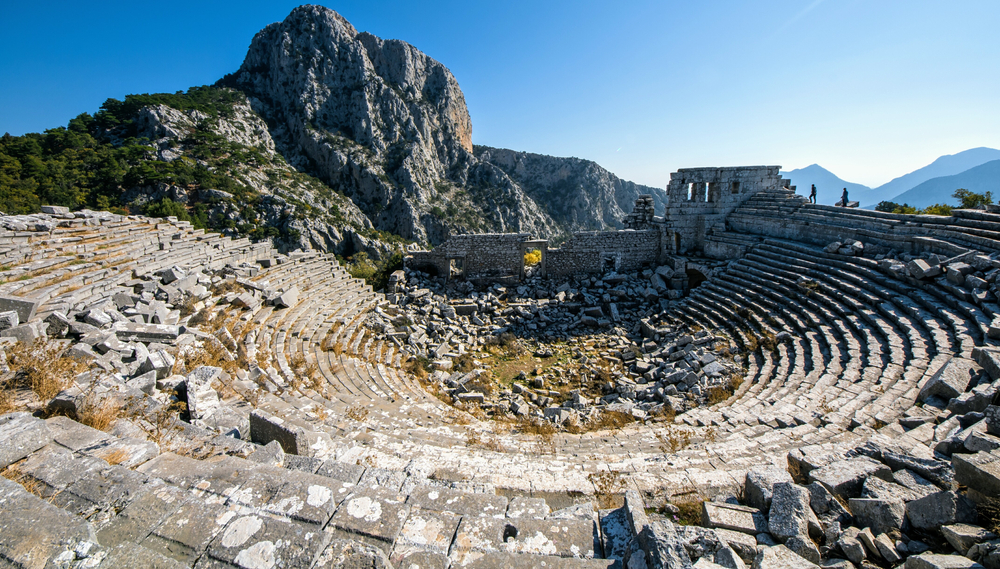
(578, 194)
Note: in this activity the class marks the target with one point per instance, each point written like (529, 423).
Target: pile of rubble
(597, 329)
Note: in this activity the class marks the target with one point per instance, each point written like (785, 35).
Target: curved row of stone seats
(86, 257)
(907, 326)
(783, 214)
(75, 496)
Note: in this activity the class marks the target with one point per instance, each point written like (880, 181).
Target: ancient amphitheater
(262, 413)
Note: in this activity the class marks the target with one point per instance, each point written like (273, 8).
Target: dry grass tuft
(30, 484)
(535, 426)
(42, 367)
(357, 412)
(608, 488)
(100, 415)
(674, 439)
(989, 513)
(116, 456)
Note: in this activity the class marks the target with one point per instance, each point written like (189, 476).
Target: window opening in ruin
(736, 187)
(713, 189)
(456, 268)
(532, 262)
(691, 191)
(677, 242)
(695, 278)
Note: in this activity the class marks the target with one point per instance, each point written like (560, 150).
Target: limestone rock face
(383, 122)
(589, 197)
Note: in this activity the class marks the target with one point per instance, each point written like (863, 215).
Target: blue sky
(868, 89)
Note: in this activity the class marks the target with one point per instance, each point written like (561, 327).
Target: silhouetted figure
(843, 198)
(812, 194)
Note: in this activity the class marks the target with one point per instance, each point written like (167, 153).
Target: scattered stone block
(951, 380)
(882, 516)
(158, 361)
(939, 509)
(289, 298)
(963, 536)
(846, 478)
(936, 561)
(979, 472)
(20, 435)
(734, 517)
(758, 485)
(780, 557)
(24, 307)
(921, 269)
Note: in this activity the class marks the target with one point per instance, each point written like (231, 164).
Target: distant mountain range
(925, 186)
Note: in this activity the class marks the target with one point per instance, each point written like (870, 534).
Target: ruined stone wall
(592, 251)
(479, 254)
(700, 199)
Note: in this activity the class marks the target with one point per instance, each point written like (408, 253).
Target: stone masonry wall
(590, 252)
(480, 254)
(700, 199)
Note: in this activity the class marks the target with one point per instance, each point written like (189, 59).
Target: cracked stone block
(759, 481)
(259, 541)
(350, 473)
(846, 478)
(963, 536)
(951, 380)
(34, 533)
(185, 534)
(522, 507)
(561, 538)
(343, 553)
(131, 556)
(940, 508)
(881, 516)
(372, 514)
(24, 307)
(439, 499)
(780, 557)
(20, 435)
(935, 561)
(425, 531)
(660, 544)
(743, 519)
(979, 472)
(202, 400)
(158, 361)
(146, 333)
(8, 319)
(289, 298)
(615, 530)
(308, 498)
(106, 490)
(790, 511)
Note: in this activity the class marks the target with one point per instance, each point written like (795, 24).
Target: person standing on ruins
(812, 194)
(843, 198)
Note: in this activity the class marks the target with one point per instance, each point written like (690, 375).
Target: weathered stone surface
(271, 454)
(846, 478)
(136, 332)
(24, 307)
(521, 507)
(258, 541)
(20, 435)
(881, 516)
(439, 499)
(34, 533)
(852, 546)
(758, 485)
(265, 428)
(941, 508)
(352, 554)
(289, 298)
(963, 536)
(935, 561)
(202, 399)
(951, 380)
(733, 517)
(780, 557)
(790, 511)
(128, 555)
(659, 541)
(8, 319)
(376, 515)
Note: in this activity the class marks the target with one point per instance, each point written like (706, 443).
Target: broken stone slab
(852, 546)
(202, 399)
(963, 536)
(8, 319)
(979, 472)
(846, 478)
(734, 517)
(659, 541)
(790, 511)
(289, 298)
(20, 435)
(25, 333)
(147, 333)
(759, 482)
(780, 557)
(881, 516)
(940, 508)
(261, 541)
(989, 358)
(887, 549)
(24, 307)
(992, 418)
(936, 561)
(265, 428)
(951, 380)
(158, 361)
(921, 269)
